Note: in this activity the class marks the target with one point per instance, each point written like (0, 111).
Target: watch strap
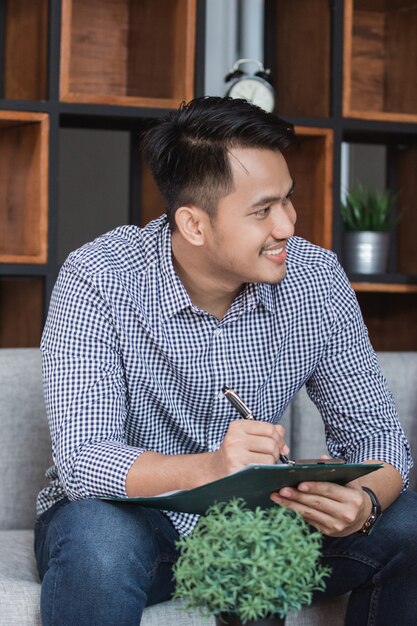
(375, 512)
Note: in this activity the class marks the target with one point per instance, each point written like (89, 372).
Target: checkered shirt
(130, 364)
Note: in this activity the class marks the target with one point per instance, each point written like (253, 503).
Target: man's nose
(284, 222)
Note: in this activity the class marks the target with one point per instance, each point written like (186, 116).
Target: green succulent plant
(251, 563)
(365, 209)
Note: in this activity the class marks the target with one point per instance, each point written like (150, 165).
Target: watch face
(255, 90)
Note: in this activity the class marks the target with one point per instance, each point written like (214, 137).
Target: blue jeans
(380, 569)
(102, 562)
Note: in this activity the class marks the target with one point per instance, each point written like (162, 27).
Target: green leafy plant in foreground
(367, 210)
(251, 563)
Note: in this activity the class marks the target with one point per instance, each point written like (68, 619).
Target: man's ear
(191, 222)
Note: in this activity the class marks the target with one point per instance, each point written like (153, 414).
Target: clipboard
(254, 483)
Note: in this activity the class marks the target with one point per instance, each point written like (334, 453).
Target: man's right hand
(249, 441)
(246, 441)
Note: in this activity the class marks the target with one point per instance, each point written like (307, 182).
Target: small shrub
(250, 563)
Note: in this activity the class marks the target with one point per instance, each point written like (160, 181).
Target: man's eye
(263, 212)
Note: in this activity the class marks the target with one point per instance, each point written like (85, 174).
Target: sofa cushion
(19, 581)
(25, 449)
(400, 370)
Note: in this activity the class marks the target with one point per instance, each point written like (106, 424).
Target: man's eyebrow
(271, 199)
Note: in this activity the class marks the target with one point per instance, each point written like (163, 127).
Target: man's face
(246, 240)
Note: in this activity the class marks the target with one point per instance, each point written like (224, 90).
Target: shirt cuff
(100, 470)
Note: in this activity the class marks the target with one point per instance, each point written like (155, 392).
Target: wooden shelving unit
(300, 55)
(81, 64)
(25, 49)
(391, 319)
(128, 52)
(21, 311)
(23, 187)
(370, 287)
(345, 71)
(311, 164)
(380, 60)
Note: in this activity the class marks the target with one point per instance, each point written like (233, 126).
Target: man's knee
(103, 538)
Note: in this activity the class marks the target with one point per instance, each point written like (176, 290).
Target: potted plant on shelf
(368, 219)
(249, 567)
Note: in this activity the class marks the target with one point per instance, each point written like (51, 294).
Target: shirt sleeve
(85, 391)
(350, 391)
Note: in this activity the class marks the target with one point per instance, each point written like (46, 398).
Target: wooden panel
(384, 287)
(129, 52)
(401, 42)
(368, 61)
(23, 187)
(392, 322)
(21, 312)
(26, 38)
(383, 5)
(380, 56)
(98, 58)
(302, 58)
(407, 207)
(310, 165)
(160, 57)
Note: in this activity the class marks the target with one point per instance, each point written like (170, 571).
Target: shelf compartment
(25, 49)
(93, 193)
(21, 312)
(23, 187)
(311, 167)
(128, 52)
(380, 57)
(391, 322)
(397, 169)
(298, 52)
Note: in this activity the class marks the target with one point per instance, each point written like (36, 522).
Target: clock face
(255, 90)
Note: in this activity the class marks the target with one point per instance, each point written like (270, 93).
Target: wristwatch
(376, 513)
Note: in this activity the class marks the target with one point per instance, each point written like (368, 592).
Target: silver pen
(246, 412)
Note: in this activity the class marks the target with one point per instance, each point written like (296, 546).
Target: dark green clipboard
(254, 484)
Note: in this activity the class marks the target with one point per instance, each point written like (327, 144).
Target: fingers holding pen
(261, 434)
(248, 441)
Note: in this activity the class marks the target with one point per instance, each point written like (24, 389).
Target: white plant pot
(366, 252)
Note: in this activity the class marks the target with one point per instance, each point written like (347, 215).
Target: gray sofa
(25, 454)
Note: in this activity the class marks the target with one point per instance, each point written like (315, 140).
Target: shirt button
(217, 332)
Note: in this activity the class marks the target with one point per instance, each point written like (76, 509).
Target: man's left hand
(335, 510)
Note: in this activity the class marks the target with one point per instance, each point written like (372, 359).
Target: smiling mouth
(274, 252)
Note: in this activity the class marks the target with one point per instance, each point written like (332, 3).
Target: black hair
(187, 151)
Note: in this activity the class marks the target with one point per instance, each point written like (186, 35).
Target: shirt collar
(174, 297)
(265, 295)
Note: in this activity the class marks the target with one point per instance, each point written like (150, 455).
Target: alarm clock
(254, 88)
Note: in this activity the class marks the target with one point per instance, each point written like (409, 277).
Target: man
(145, 328)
